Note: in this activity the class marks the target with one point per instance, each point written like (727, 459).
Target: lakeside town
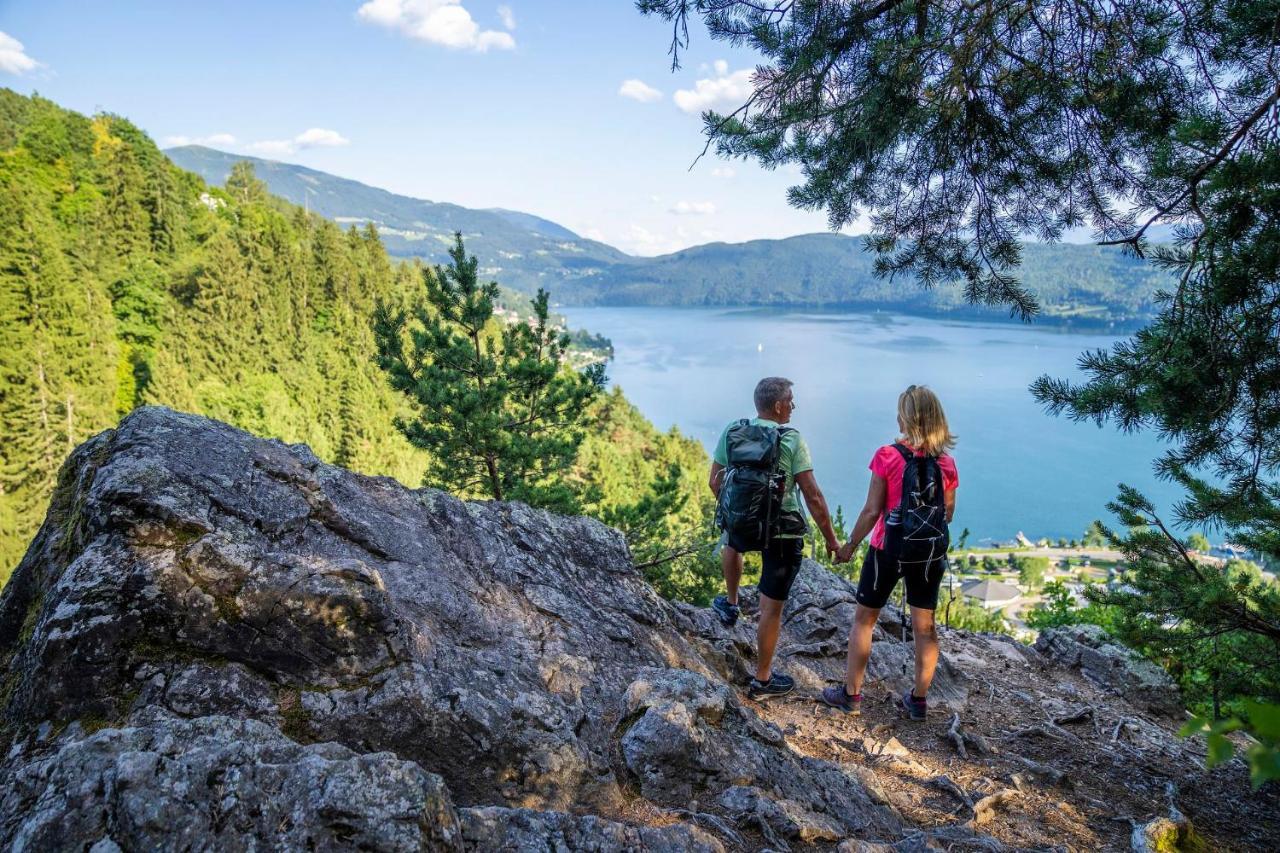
(1009, 577)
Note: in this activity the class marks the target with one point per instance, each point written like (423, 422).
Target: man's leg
(864, 623)
(767, 628)
(926, 639)
(780, 563)
(731, 568)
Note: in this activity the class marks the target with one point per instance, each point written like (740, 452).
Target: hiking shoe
(727, 613)
(914, 707)
(842, 701)
(777, 685)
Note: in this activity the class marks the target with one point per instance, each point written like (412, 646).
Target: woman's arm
(949, 498)
(866, 521)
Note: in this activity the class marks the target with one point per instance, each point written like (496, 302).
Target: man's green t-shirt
(793, 459)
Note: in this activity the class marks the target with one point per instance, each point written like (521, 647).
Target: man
(784, 543)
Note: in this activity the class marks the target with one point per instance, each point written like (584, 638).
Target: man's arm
(866, 521)
(817, 504)
(717, 477)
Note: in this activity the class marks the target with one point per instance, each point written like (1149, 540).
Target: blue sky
(517, 104)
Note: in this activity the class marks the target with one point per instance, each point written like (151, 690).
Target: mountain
(522, 251)
(1081, 284)
(219, 642)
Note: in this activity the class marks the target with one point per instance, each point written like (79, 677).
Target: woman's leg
(864, 623)
(926, 640)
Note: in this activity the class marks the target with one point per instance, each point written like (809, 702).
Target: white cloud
(638, 90)
(319, 137)
(724, 92)
(693, 208)
(213, 140)
(508, 17)
(722, 172)
(442, 22)
(13, 56)
(314, 137)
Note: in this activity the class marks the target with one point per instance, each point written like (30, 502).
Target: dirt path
(1070, 766)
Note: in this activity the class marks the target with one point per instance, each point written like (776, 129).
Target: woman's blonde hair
(924, 424)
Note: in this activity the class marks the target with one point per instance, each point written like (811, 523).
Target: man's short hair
(770, 391)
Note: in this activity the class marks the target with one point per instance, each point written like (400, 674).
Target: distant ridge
(1077, 284)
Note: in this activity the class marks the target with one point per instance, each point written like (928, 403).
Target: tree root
(1078, 716)
(985, 809)
(1042, 773)
(710, 821)
(963, 740)
(1048, 729)
(944, 783)
(1123, 725)
(956, 737)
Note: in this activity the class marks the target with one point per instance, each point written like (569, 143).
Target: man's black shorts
(880, 574)
(781, 559)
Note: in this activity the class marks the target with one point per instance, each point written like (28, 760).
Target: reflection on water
(1019, 469)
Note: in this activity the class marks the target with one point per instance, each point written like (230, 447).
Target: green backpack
(750, 505)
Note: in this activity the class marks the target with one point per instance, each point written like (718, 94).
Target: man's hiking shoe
(727, 613)
(777, 685)
(841, 701)
(914, 707)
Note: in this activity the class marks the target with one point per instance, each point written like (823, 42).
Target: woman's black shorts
(780, 564)
(880, 574)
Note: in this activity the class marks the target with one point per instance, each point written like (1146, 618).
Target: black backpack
(750, 505)
(915, 532)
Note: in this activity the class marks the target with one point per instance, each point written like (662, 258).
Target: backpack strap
(902, 451)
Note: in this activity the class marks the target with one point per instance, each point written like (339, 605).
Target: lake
(1020, 469)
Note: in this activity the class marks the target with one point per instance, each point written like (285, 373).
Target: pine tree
(495, 408)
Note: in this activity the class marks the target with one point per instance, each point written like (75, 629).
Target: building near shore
(991, 594)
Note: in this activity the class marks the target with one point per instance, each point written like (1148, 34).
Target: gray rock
(1089, 647)
(219, 783)
(784, 817)
(502, 829)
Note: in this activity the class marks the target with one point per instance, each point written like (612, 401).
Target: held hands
(833, 546)
(845, 552)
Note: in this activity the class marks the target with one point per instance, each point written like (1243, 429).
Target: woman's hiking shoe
(777, 685)
(841, 701)
(727, 613)
(914, 707)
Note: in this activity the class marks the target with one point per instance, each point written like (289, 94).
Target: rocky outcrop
(1109, 664)
(217, 641)
(196, 587)
(215, 782)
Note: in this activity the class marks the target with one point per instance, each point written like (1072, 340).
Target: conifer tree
(496, 408)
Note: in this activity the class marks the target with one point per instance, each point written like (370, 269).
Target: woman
(924, 433)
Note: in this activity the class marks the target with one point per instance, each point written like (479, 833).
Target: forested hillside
(125, 280)
(523, 251)
(1082, 284)
(1074, 283)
